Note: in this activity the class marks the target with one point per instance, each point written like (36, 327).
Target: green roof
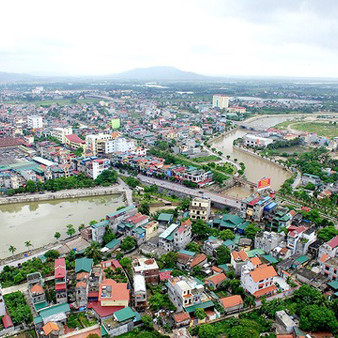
(40, 306)
(270, 259)
(234, 219)
(37, 320)
(140, 230)
(255, 252)
(113, 243)
(100, 224)
(83, 264)
(224, 267)
(243, 225)
(55, 309)
(212, 238)
(121, 211)
(225, 224)
(103, 331)
(186, 252)
(302, 259)
(228, 242)
(204, 305)
(333, 284)
(124, 314)
(163, 217)
(198, 281)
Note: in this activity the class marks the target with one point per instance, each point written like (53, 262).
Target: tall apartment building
(97, 143)
(220, 101)
(199, 209)
(34, 121)
(119, 145)
(60, 280)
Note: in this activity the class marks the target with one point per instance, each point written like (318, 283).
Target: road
(297, 181)
(216, 198)
(22, 287)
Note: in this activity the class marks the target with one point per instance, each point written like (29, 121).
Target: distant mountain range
(142, 74)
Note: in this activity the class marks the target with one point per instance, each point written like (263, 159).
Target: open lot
(320, 128)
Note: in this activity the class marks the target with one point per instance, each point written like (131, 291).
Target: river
(255, 168)
(38, 221)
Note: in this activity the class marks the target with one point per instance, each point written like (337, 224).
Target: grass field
(284, 125)
(210, 158)
(320, 128)
(50, 102)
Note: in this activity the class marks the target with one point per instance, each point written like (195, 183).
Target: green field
(284, 125)
(50, 102)
(210, 158)
(320, 128)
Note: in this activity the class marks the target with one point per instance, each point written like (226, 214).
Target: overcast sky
(211, 37)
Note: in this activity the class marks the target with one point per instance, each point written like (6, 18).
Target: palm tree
(28, 244)
(12, 249)
(94, 251)
(70, 230)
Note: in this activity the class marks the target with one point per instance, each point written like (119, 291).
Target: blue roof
(228, 242)
(55, 309)
(186, 252)
(113, 243)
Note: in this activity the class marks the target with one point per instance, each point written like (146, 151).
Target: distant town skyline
(215, 38)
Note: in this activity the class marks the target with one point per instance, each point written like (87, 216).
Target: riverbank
(65, 194)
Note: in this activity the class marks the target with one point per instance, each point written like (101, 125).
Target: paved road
(216, 198)
(297, 181)
(22, 287)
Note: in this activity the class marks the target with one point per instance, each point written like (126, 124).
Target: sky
(297, 38)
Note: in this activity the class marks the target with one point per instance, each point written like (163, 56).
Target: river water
(255, 168)
(38, 221)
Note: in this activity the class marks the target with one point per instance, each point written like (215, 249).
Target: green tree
(147, 322)
(106, 178)
(222, 255)
(70, 230)
(200, 229)
(144, 208)
(57, 235)
(318, 318)
(169, 260)
(81, 227)
(92, 222)
(30, 186)
(240, 331)
(94, 251)
(192, 246)
(226, 234)
(52, 254)
(251, 231)
(128, 243)
(12, 249)
(207, 331)
(200, 313)
(126, 262)
(108, 235)
(28, 244)
(327, 233)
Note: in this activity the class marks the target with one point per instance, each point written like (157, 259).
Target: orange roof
(216, 269)
(255, 261)
(198, 259)
(265, 291)
(82, 275)
(216, 279)
(182, 316)
(37, 288)
(262, 272)
(50, 327)
(239, 255)
(231, 301)
(119, 291)
(187, 222)
(323, 258)
(81, 285)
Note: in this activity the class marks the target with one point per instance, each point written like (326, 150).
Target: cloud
(217, 37)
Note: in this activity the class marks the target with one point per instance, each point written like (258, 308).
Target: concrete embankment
(64, 194)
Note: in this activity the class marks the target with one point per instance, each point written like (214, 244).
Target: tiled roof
(83, 264)
(181, 317)
(50, 327)
(231, 301)
(198, 259)
(60, 268)
(265, 291)
(239, 255)
(333, 243)
(255, 261)
(262, 272)
(7, 321)
(216, 279)
(37, 288)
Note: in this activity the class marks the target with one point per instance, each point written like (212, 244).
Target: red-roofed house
(165, 275)
(7, 321)
(232, 303)
(238, 259)
(112, 293)
(329, 248)
(60, 275)
(216, 280)
(74, 142)
(181, 319)
(259, 281)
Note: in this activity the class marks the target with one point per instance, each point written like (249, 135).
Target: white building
(267, 241)
(60, 133)
(238, 259)
(199, 209)
(96, 167)
(258, 280)
(299, 239)
(34, 121)
(119, 145)
(140, 291)
(330, 248)
(251, 140)
(97, 143)
(220, 101)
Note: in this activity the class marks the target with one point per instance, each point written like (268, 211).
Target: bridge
(178, 189)
(243, 181)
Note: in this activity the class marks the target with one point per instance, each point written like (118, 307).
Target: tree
(70, 230)
(169, 259)
(107, 177)
(126, 262)
(92, 222)
(30, 186)
(318, 318)
(206, 331)
(222, 255)
(12, 249)
(108, 235)
(94, 251)
(251, 231)
(240, 331)
(28, 244)
(226, 234)
(144, 208)
(57, 235)
(192, 246)
(327, 233)
(128, 243)
(52, 254)
(200, 313)
(147, 322)
(82, 226)
(200, 229)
